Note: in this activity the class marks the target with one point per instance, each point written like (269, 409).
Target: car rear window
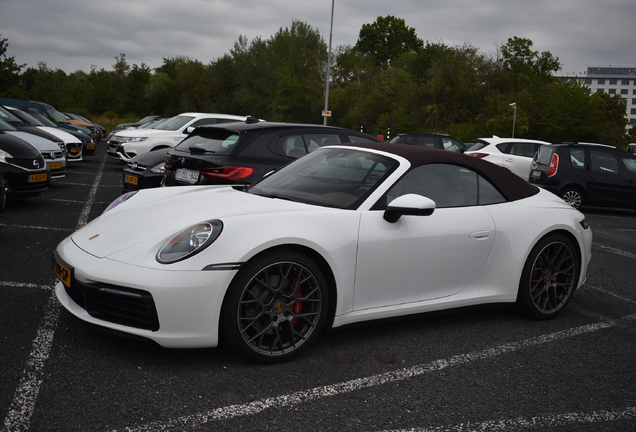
(544, 155)
(217, 141)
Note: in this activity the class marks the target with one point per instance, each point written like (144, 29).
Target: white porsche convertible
(348, 233)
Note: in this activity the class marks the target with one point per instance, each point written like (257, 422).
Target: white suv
(128, 143)
(514, 154)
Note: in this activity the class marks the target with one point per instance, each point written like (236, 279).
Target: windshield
(174, 123)
(26, 117)
(219, 141)
(4, 126)
(329, 177)
(57, 116)
(8, 117)
(45, 121)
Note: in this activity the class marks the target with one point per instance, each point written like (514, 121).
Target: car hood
(135, 133)
(153, 216)
(17, 147)
(39, 142)
(61, 134)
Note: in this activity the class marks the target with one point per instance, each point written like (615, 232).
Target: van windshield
(56, 115)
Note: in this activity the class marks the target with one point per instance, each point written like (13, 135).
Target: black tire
(572, 196)
(275, 307)
(549, 277)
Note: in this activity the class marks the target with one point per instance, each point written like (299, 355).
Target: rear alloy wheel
(275, 307)
(572, 197)
(549, 277)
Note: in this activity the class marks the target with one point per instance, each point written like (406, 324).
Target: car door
(518, 158)
(629, 163)
(605, 182)
(422, 258)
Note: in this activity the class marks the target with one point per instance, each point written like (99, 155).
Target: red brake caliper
(298, 306)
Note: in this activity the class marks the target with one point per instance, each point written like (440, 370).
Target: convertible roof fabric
(511, 186)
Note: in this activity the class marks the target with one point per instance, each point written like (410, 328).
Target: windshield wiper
(199, 150)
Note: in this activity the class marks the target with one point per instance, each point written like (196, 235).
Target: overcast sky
(74, 35)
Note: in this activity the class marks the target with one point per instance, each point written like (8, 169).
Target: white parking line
(36, 227)
(297, 398)
(616, 251)
(19, 416)
(24, 285)
(533, 423)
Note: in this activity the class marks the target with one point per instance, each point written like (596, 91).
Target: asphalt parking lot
(476, 370)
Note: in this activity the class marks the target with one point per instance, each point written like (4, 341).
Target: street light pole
(514, 117)
(325, 115)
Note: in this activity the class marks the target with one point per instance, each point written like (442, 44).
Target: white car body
(133, 142)
(517, 161)
(452, 258)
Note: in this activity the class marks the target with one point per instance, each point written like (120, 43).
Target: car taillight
(230, 172)
(168, 165)
(554, 165)
(478, 155)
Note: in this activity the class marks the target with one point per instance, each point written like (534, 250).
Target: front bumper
(186, 305)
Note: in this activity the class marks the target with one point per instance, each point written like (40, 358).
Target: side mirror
(410, 205)
(189, 129)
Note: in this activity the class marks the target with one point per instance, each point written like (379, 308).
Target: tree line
(389, 77)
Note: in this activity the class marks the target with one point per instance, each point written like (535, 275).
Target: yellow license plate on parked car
(90, 147)
(76, 149)
(62, 272)
(55, 165)
(131, 179)
(34, 178)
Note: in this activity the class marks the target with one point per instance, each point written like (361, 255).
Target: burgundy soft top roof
(511, 186)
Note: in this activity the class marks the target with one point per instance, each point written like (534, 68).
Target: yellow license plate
(91, 147)
(62, 272)
(131, 179)
(55, 165)
(76, 149)
(35, 178)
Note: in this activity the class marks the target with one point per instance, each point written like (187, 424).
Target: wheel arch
(321, 262)
(575, 186)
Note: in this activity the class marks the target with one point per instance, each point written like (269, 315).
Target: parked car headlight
(119, 200)
(159, 169)
(190, 241)
(3, 156)
(137, 139)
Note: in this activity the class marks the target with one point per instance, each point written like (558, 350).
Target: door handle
(480, 235)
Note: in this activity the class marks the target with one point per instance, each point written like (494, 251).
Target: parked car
(145, 171)
(46, 110)
(52, 152)
(514, 154)
(128, 143)
(587, 174)
(348, 233)
(71, 142)
(22, 166)
(97, 129)
(243, 152)
(82, 145)
(631, 147)
(433, 140)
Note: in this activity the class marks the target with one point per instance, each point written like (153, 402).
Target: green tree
(387, 39)
(9, 72)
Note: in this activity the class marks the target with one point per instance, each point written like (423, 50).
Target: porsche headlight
(119, 200)
(190, 241)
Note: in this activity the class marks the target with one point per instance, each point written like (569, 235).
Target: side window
(204, 121)
(358, 139)
(314, 141)
(505, 148)
(292, 146)
(630, 164)
(523, 149)
(428, 141)
(602, 162)
(451, 144)
(412, 140)
(447, 185)
(577, 158)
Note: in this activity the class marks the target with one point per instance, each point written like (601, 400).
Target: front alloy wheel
(549, 277)
(572, 197)
(275, 307)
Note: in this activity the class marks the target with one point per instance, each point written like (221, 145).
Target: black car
(22, 167)
(433, 140)
(145, 171)
(586, 174)
(243, 152)
(3, 195)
